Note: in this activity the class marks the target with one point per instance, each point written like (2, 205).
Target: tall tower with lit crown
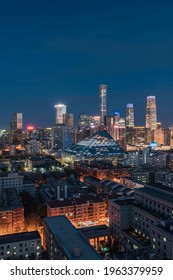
(60, 112)
(151, 113)
(103, 103)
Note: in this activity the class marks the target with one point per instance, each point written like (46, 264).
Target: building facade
(151, 113)
(60, 111)
(103, 103)
(62, 137)
(145, 221)
(21, 246)
(11, 212)
(80, 211)
(130, 115)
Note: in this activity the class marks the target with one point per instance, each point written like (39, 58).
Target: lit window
(164, 239)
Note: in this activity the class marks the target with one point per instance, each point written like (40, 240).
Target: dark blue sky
(61, 51)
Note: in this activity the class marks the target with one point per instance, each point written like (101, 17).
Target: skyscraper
(103, 103)
(171, 136)
(130, 115)
(85, 120)
(61, 137)
(17, 121)
(60, 111)
(151, 114)
(16, 127)
(116, 118)
(68, 119)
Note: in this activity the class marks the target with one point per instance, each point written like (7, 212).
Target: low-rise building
(144, 221)
(21, 246)
(11, 180)
(162, 238)
(81, 212)
(131, 183)
(62, 189)
(11, 212)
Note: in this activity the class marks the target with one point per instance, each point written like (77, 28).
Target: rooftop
(69, 238)
(10, 199)
(18, 237)
(161, 193)
(77, 201)
(123, 201)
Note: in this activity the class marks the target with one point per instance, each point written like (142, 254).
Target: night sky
(61, 51)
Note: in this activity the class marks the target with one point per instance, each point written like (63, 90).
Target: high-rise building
(121, 123)
(17, 121)
(60, 111)
(161, 136)
(85, 121)
(130, 115)
(116, 118)
(96, 120)
(171, 136)
(103, 103)
(68, 119)
(87, 125)
(61, 137)
(88, 121)
(109, 122)
(16, 127)
(151, 113)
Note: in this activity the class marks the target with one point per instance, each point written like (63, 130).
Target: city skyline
(35, 124)
(53, 115)
(54, 54)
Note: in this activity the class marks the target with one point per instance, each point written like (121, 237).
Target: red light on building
(30, 128)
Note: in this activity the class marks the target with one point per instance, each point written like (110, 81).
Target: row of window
(26, 244)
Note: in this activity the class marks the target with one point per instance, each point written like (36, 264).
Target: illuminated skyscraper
(151, 114)
(85, 120)
(17, 121)
(103, 103)
(171, 136)
(16, 127)
(121, 123)
(130, 115)
(116, 118)
(60, 111)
